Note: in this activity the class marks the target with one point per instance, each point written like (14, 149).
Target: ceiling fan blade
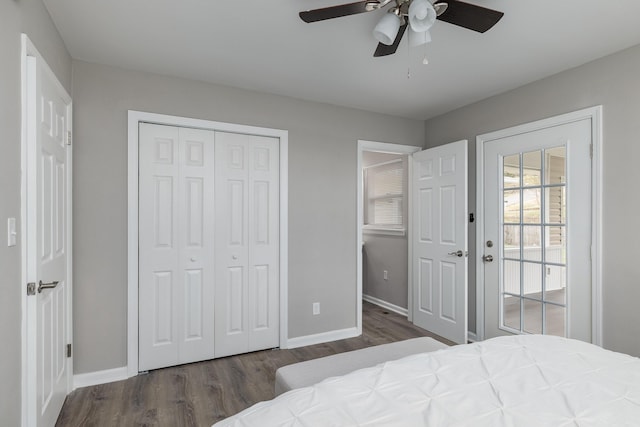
(384, 49)
(337, 11)
(470, 16)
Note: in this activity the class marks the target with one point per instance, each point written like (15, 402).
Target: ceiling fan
(417, 15)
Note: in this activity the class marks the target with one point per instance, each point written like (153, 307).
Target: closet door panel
(196, 254)
(263, 298)
(159, 275)
(231, 244)
(176, 282)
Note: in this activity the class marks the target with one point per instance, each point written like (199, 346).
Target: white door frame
(28, 49)
(595, 115)
(134, 118)
(381, 147)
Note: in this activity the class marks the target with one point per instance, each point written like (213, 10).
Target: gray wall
(382, 252)
(613, 82)
(27, 16)
(322, 196)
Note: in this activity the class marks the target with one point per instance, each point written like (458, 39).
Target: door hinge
(591, 150)
(69, 137)
(68, 350)
(31, 288)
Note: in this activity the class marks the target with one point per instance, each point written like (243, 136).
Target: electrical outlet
(385, 275)
(316, 308)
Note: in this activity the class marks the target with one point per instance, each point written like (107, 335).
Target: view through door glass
(534, 211)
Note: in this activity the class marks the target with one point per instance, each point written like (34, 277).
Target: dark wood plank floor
(199, 394)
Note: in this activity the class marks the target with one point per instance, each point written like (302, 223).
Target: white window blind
(384, 193)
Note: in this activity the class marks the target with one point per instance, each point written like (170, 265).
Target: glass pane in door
(511, 171)
(555, 320)
(532, 317)
(534, 242)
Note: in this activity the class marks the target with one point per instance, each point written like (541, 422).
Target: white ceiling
(264, 46)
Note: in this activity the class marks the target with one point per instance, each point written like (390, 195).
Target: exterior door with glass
(537, 232)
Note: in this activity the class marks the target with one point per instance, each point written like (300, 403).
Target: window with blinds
(384, 193)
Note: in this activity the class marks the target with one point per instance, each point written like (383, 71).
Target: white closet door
(247, 276)
(196, 253)
(175, 246)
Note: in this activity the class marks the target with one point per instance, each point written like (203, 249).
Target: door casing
(134, 118)
(595, 115)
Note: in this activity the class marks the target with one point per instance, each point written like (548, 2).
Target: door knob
(457, 253)
(234, 257)
(42, 286)
(487, 258)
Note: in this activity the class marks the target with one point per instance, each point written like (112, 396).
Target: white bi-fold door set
(208, 244)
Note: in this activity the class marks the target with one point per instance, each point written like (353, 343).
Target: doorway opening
(383, 269)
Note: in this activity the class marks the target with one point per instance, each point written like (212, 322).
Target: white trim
(595, 115)
(135, 117)
(596, 230)
(388, 162)
(384, 231)
(99, 377)
(380, 147)
(28, 396)
(386, 305)
(323, 337)
(471, 337)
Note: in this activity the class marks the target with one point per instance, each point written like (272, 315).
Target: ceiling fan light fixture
(440, 7)
(419, 38)
(387, 28)
(422, 15)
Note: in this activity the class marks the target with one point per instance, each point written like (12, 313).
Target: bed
(526, 380)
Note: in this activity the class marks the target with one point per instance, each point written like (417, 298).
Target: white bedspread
(527, 380)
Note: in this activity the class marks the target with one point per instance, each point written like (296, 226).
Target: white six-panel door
(48, 164)
(176, 279)
(439, 221)
(247, 244)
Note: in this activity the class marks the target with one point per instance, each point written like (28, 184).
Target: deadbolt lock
(489, 244)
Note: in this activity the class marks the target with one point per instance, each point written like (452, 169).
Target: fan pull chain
(408, 59)
(425, 61)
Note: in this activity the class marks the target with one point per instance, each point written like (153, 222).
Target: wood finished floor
(200, 394)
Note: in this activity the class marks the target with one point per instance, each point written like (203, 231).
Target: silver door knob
(42, 286)
(457, 253)
(234, 257)
(487, 258)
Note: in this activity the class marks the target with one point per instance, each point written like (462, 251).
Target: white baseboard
(99, 377)
(386, 305)
(471, 336)
(322, 337)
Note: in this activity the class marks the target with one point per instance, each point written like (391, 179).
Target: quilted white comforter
(527, 380)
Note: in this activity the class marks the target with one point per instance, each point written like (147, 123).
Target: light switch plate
(11, 232)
